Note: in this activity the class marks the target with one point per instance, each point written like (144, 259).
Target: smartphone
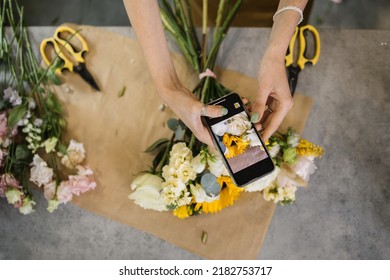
(243, 152)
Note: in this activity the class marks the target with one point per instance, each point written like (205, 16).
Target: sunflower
(306, 148)
(229, 194)
(234, 144)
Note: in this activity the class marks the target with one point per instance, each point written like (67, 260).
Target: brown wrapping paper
(115, 130)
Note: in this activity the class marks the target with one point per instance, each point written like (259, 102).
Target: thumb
(213, 111)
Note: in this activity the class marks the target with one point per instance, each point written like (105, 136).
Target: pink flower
(8, 181)
(3, 125)
(49, 190)
(64, 192)
(82, 182)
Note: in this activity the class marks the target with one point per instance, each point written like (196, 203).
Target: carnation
(40, 174)
(75, 154)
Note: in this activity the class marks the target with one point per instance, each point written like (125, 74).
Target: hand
(188, 108)
(273, 92)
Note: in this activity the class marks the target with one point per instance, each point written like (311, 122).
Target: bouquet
(188, 177)
(32, 151)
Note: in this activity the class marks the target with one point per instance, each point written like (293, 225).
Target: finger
(273, 121)
(213, 111)
(259, 104)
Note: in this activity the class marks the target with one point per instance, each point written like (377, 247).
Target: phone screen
(236, 138)
(239, 142)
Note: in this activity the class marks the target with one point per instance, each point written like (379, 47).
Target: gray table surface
(343, 214)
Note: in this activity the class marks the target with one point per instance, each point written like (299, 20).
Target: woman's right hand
(188, 108)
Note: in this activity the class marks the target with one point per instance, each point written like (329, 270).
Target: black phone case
(250, 173)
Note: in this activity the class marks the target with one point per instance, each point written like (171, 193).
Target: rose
(146, 192)
(40, 174)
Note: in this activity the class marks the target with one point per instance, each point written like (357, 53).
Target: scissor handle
(68, 64)
(289, 58)
(77, 55)
(302, 60)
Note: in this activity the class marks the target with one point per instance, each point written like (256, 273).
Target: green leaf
(158, 158)
(22, 153)
(210, 184)
(53, 104)
(156, 145)
(16, 114)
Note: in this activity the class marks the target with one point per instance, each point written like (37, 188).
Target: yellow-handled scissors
(296, 64)
(72, 58)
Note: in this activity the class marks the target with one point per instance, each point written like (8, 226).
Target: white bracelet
(291, 8)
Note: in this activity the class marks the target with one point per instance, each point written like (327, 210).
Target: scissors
(295, 65)
(72, 59)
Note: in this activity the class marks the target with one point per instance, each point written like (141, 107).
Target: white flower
(263, 182)
(238, 124)
(200, 195)
(180, 152)
(40, 174)
(52, 205)
(293, 139)
(197, 164)
(27, 206)
(271, 193)
(147, 188)
(304, 167)
(216, 166)
(173, 190)
(13, 195)
(12, 96)
(252, 137)
(75, 154)
(220, 128)
(274, 149)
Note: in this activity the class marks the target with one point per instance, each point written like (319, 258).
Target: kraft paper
(117, 129)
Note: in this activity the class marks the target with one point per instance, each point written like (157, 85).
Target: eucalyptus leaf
(210, 184)
(16, 114)
(156, 145)
(173, 124)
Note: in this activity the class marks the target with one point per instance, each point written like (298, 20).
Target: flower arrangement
(32, 151)
(188, 177)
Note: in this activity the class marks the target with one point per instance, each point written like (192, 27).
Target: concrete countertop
(343, 214)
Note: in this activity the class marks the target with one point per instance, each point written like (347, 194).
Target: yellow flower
(306, 148)
(234, 144)
(183, 212)
(229, 194)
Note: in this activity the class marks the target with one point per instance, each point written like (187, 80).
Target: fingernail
(255, 118)
(224, 111)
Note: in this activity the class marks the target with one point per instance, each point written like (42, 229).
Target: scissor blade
(293, 72)
(84, 73)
